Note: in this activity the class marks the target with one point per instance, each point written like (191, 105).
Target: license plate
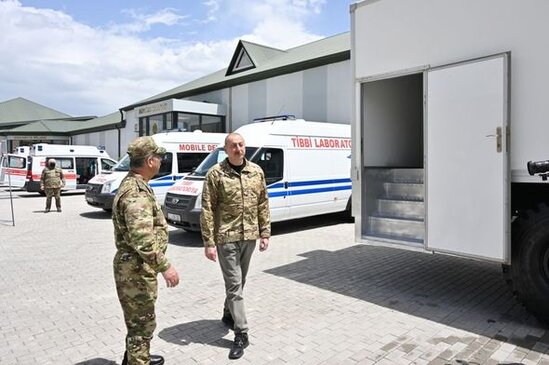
(174, 217)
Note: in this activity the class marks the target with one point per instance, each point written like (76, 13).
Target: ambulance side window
(106, 165)
(271, 160)
(186, 162)
(64, 163)
(165, 165)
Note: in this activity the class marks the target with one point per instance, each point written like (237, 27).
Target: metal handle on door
(498, 139)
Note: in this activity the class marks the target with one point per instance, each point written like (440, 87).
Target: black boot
(155, 359)
(240, 343)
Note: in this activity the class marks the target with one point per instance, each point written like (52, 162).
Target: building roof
(67, 127)
(268, 62)
(20, 111)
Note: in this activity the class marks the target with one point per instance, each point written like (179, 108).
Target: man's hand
(171, 276)
(263, 244)
(41, 187)
(211, 253)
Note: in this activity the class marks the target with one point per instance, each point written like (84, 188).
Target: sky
(93, 57)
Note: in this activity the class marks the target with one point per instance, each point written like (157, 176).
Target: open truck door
(468, 197)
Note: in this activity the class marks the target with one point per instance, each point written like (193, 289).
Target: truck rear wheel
(529, 271)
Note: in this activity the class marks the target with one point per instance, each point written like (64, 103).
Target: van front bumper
(180, 213)
(97, 199)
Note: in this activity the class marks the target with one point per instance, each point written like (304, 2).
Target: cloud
(50, 58)
(144, 22)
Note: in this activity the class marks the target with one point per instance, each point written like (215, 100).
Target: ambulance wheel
(42, 192)
(529, 271)
(108, 210)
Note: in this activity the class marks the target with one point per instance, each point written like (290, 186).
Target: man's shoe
(59, 210)
(239, 344)
(46, 211)
(228, 321)
(155, 359)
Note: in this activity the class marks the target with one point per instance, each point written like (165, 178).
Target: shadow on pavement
(205, 331)
(98, 214)
(97, 361)
(461, 293)
(303, 224)
(181, 237)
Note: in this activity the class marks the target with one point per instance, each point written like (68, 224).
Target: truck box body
(306, 166)
(449, 105)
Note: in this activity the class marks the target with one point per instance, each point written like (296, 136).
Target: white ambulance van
(13, 167)
(185, 151)
(306, 164)
(79, 164)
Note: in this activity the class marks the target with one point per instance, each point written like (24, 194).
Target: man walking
(141, 235)
(51, 182)
(235, 213)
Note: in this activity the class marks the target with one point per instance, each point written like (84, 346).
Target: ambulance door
(67, 164)
(271, 160)
(14, 170)
(467, 180)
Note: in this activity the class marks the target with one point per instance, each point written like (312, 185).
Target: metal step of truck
(393, 208)
(404, 191)
(398, 228)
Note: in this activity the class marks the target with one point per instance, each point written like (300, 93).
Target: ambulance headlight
(106, 188)
(198, 203)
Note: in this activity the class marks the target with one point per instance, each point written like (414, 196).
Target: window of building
(183, 122)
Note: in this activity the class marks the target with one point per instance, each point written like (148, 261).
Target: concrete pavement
(315, 297)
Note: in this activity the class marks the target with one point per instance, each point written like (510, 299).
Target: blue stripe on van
(275, 194)
(312, 182)
(156, 184)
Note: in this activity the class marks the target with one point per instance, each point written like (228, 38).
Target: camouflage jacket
(52, 178)
(235, 207)
(139, 224)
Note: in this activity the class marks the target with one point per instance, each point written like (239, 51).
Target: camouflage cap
(143, 147)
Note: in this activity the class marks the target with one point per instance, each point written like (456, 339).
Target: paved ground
(314, 297)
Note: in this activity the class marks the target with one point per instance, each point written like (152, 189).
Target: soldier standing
(235, 213)
(141, 235)
(51, 182)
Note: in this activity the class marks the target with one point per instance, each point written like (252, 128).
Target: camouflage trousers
(53, 192)
(137, 289)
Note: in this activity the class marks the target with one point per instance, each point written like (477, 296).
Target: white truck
(450, 102)
(185, 151)
(306, 166)
(79, 164)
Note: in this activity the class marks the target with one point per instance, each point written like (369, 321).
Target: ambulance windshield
(217, 156)
(123, 164)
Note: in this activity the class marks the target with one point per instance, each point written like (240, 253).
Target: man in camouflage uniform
(141, 235)
(51, 182)
(235, 213)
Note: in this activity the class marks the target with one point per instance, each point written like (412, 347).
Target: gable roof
(258, 55)
(268, 62)
(21, 111)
